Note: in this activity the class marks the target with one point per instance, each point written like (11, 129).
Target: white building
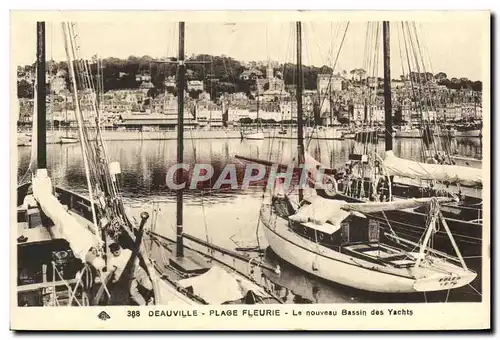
(209, 117)
(234, 115)
(195, 85)
(324, 80)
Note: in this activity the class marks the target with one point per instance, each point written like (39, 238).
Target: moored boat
(334, 239)
(356, 253)
(253, 136)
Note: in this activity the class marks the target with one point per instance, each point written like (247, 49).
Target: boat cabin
(357, 236)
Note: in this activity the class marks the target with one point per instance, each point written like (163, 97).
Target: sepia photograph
(323, 164)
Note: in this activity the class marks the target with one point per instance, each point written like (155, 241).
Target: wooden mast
(300, 132)
(387, 86)
(40, 102)
(181, 71)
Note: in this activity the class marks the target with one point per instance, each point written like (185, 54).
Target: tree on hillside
(440, 76)
(24, 89)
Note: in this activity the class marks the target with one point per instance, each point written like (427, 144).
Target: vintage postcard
(250, 170)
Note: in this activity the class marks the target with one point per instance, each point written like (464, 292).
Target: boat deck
(379, 253)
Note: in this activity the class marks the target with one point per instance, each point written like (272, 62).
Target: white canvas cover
(319, 212)
(66, 226)
(168, 295)
(322, 210)
(454, 174)
(217, 286)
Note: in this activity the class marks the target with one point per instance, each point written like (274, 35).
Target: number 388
(133, 313)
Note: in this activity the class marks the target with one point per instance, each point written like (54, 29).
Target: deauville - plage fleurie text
(259, 312)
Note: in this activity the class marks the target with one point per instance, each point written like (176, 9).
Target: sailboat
(197, 273)
(464, 218)
(332, 239)
(60, 253)
(393, 180)
(254, 136)
(63, 238)
(396, 181)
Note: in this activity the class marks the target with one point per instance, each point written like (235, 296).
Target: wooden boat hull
(341, 268)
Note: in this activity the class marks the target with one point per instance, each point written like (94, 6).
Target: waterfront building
(236, 114)
(195, 85)
(153, 121)
(325, 80)
(211, 116)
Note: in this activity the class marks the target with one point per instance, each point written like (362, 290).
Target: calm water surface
(228, 217)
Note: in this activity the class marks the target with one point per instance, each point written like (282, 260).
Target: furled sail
(80, 239)
(408, 203)
(453, 174)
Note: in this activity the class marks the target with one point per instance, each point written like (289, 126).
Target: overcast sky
(452, 46)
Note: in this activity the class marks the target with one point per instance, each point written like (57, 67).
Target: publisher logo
(103, 316)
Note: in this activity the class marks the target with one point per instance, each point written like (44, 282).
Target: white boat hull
(344, 269)
(67, 140)
(26, 140)
(328, 133)
(254, 136)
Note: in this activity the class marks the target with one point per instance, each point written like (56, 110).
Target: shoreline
(71, 137)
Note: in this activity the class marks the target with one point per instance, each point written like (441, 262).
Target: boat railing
(74, 292)
(430, 250)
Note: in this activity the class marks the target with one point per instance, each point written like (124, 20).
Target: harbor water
(227, 217)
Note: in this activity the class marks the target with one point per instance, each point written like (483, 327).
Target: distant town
(141, 92)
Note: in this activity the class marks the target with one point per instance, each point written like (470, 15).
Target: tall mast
(41, 101)
(300, 132)
(258, 120)
(181, 70)
(387, 86)
(330, 99)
